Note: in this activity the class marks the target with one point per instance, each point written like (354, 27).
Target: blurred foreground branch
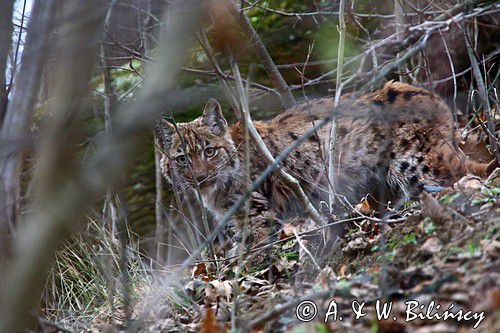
(6, 8)
(65, 189)
(56, 206)
(19, 112)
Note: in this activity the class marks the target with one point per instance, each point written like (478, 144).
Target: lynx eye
(181, 159)
(210, 152)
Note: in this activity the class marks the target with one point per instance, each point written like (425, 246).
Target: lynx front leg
(255, 228)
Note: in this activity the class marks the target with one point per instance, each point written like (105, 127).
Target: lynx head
(198, 152)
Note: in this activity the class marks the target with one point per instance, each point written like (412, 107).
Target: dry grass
(85, 284)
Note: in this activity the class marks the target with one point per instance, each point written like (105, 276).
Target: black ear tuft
(213, 117)
(163, 131)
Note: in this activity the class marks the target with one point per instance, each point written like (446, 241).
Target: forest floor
(447, 251)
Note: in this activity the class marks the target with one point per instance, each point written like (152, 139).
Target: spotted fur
(389, 144)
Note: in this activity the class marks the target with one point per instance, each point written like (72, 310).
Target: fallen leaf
(494, 297)
(469, 182)
(342, 270)
(200, 271)
(363, 206)
(434, 210)
(285, 265)
(432, 245)
(251, 285)
(216, 289)
(373, 269)
(208, 323)
(288, 230)
(475, 148)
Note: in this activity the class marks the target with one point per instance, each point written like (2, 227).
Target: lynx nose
(201, 177)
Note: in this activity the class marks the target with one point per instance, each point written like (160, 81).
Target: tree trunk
(6, 8)
(19, 112)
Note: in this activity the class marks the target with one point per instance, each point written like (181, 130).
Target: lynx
(394, 141)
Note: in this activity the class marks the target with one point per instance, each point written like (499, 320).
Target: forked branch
(263, 54)
(287, 179)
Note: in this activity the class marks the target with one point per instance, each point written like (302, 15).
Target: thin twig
(483, 92)
(263, 54)
(304, 248)
(452, 68)
(325, 12)
(338, 88)
(399, 15)
(287, 179)
(18, 44)
(226, 88)
(52, 324)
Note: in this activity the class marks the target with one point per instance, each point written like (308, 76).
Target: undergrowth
(85, 285)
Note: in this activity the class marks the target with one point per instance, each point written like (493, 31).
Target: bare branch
(483, 92)
(49, 225)
(20, 109)
(202, 39)
(398, 13)
(18, 44)
(65, 191)
(263, 54)
(287, 179)
(6, 8)
(300, 15)
(338, 88)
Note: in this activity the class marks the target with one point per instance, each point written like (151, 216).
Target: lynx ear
(213, 118)
(163, 132)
